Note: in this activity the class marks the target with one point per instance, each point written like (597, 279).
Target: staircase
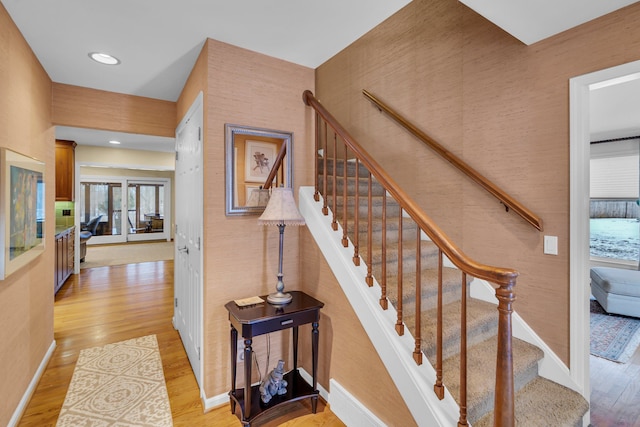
(399, 259)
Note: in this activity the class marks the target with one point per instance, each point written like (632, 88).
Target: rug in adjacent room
(613, 337)
(119, 384)
(127, 253)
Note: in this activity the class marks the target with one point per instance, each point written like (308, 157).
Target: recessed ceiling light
(103, 58)
(114, 142)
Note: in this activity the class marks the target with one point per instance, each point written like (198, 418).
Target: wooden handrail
(276, 165)
(505, 278)
(501, 276)
(508, 201)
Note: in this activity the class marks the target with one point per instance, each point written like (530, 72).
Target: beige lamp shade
(281, 209)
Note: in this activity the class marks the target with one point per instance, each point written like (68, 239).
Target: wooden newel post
(503, 410)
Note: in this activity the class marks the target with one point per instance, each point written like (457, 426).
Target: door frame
(579, 264)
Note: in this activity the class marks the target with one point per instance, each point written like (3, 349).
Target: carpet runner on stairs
(539, 402)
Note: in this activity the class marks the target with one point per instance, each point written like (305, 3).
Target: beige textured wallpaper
(26, 296)
(501, 106)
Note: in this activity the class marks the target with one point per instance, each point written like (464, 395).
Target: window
(128, 208)
(614, 210)
(105, 199)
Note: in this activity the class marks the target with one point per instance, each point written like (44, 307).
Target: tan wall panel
(500, 105)
(96, 109)
(409, 62)
(26, 297)
(250, 89)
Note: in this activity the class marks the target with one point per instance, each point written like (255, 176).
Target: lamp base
(279, 298)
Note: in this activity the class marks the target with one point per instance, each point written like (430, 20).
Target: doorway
(580, 138)
(117, 209)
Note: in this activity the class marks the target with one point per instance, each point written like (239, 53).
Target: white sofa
(617, 290)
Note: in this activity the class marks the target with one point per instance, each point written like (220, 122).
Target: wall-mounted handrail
(505, 278)
(497, 275)
(508, 201)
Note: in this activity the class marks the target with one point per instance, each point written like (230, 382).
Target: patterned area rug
(120, 384)
(613, 337)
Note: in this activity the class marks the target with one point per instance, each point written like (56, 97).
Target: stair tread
(481, 365)
(482, 323)
(351, 167)
(428, 259)
(539, 402)
(451, 279)
(543, 403)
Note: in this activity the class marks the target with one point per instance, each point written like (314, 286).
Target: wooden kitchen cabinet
(65, 256)
(65, 170)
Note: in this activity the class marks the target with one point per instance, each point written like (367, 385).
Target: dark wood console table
(262, 319)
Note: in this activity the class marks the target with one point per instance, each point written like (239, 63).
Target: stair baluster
(417, 351)
(334, 223)
(345, 234)
(316, 193)
(438, 387)
(369, 278)
(399, 321)
(384, 302)
(504, 388)
(356, 225)
(463, 353)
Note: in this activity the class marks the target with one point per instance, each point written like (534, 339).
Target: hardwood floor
(615, 392)
(110, 304)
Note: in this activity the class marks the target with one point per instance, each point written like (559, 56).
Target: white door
(188, 235)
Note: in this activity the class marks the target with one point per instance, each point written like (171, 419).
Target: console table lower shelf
(297, 389)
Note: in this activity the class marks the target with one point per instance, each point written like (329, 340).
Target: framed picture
(22, 209)
(244, 173)
(259, 158)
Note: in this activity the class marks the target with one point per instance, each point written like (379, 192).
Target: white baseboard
(309, 379)
(350, 411)
(17, 414)
(208, 403)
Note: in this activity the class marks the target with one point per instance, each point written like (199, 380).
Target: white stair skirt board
(414, 382)
(17, 414)
(349, 409)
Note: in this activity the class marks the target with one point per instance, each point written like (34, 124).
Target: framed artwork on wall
(22, 210)
(250, 155)
(259, 158)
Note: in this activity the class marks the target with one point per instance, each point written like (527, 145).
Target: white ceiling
(158, 41)
(615, 109)
(533, 20)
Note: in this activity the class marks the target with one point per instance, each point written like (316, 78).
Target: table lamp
(281, 211)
